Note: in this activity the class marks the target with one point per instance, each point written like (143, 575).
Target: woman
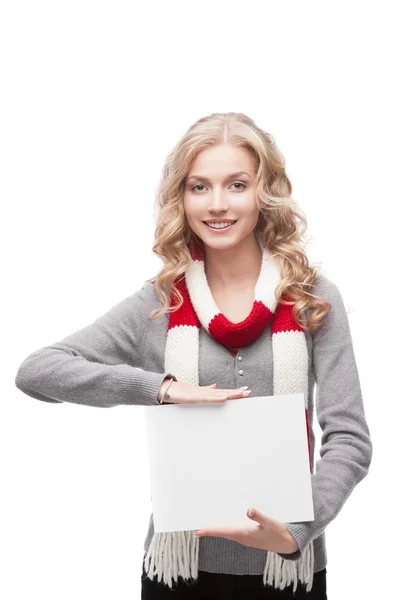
(236, 310)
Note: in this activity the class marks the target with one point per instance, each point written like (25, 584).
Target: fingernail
(245, 387)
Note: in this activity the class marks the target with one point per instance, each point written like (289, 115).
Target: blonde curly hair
(281, 224)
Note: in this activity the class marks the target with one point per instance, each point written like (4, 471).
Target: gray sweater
(119, 359)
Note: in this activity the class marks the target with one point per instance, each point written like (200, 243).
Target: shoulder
(328, 290)
(323, 285)
(148, 295)
(336, 320)
(132, 308)
(143, 299)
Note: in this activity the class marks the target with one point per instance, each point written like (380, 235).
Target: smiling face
(220, 186)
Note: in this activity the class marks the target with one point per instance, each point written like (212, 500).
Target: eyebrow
(231, 176)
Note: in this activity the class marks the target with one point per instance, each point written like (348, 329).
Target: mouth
(224, 228)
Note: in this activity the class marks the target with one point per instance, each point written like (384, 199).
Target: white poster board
(210, 462)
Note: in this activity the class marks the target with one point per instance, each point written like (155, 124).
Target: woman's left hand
(266, 534)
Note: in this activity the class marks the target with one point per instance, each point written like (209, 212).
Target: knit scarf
(176, 553)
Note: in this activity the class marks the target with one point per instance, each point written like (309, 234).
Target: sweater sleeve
(98, 365)
(346, 448)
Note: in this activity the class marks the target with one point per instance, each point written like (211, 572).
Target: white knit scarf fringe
(173, 554)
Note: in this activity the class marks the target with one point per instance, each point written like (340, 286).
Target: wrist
(165, 386)
(290, 543)
(162, 388)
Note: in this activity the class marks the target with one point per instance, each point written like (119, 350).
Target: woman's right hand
(185, 393)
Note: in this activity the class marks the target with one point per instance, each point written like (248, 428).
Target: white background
(93, 97)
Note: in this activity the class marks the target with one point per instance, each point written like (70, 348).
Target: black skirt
(219, 586)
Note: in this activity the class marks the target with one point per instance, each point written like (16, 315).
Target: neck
(234, 268)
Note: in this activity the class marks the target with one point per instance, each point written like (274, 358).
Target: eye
(235, 183)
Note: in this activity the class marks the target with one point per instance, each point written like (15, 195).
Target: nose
(218, 202)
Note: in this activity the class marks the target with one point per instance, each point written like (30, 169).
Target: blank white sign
(210, 462)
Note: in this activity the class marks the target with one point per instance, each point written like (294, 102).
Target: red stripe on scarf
(236, 335)
(186, 314)
(283, 319)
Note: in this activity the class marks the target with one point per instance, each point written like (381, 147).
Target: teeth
(219, 225)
